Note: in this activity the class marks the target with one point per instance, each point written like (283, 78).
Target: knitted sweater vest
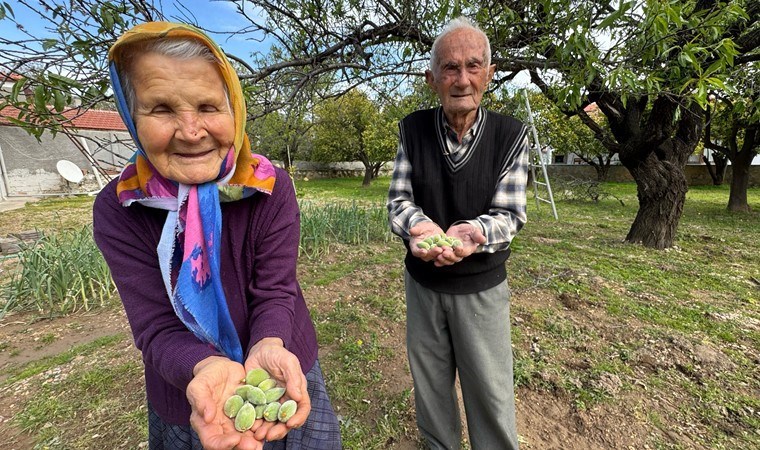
(449, 192)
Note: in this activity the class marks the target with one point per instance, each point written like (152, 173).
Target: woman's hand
(282, 365)
(215, 380)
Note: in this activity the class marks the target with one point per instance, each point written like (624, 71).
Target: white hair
(459, 23)
(178, 48)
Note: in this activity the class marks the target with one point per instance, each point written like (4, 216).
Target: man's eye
(451, 69)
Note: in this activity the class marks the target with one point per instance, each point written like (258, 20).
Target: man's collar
(473, 131)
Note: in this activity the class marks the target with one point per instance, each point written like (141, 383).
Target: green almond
(232, 406)
(274, 394)
(256, 376)
(245, 417)
(287, 410)
(256, 396)
(267, 384)
(271, 411)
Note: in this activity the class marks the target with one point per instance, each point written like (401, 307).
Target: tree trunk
(717, 173)
(367, 175)
(740, 164)
(602, 168)
(661, 187)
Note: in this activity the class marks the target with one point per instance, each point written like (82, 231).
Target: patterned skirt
(321, 430)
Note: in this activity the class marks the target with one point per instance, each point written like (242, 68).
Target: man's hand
(419, 233)
(283, 366)
(215, 380)
(470, 236)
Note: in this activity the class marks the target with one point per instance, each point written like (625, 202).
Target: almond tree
(647, 64)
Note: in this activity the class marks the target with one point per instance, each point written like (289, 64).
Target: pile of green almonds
(258, 398)
(439, 240)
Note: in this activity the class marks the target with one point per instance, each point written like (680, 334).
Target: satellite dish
(69, 171)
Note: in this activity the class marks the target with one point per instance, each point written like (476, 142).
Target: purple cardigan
(258, 266)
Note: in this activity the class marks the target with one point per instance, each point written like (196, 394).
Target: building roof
(90, 120)
(9, 77)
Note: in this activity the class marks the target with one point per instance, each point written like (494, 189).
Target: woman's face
(182, 116)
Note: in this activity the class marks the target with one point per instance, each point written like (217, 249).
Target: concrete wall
(309, 169)
(30, 166)
(696, 175)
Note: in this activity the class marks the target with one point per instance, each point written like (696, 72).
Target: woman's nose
(190, 127)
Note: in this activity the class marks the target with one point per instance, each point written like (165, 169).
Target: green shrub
(59, 274)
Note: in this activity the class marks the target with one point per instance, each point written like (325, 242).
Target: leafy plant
(323, 225)
(59, 274)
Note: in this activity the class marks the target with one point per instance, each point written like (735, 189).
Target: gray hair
(179, 48)
(459, 23)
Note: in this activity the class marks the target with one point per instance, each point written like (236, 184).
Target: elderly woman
(201, 237)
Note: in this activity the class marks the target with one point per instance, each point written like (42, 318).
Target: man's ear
(491, 71)
(430, 79)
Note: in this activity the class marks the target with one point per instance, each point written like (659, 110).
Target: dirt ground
(548, 417)
(545, 421)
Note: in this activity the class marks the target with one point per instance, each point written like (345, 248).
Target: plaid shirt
(505, 217)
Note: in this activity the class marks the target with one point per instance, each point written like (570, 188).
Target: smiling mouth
(193, 155)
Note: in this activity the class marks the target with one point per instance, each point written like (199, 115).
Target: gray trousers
(469, 333)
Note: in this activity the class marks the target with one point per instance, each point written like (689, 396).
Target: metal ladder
(536, 161)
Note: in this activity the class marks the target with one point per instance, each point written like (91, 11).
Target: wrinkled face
(182, 116)
(461, 75)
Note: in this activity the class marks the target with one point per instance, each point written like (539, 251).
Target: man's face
(461, 75)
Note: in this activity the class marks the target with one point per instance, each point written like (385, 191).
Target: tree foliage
(733, 130)
(351, 128)
(648, 64)
(568, 135)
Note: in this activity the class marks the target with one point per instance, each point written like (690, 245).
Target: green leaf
(17, 122)
(717, 82)
(47, 44)
(39, 99)
(610, 20)
(60, 100)
(9, 9)
(16, 89)
(716, 66)
(64, 81)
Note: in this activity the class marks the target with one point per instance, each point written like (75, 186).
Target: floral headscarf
(188, 251)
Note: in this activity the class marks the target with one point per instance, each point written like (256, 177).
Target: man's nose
(461, 77)
(190, 126)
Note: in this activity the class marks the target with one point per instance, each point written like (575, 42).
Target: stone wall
(696, 175)
(309, 169)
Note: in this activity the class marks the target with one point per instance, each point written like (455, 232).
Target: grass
(667, 339)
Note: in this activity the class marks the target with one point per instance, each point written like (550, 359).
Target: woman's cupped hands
(216, 378)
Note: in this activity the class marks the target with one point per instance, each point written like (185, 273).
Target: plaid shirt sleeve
(403, 213)
(505, 217)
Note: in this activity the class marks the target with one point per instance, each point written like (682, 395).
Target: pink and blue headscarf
(188, 252)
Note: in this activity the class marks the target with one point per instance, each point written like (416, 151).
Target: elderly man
(460, 170)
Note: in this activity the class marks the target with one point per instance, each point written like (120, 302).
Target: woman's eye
(208, 108)
(160, 109)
